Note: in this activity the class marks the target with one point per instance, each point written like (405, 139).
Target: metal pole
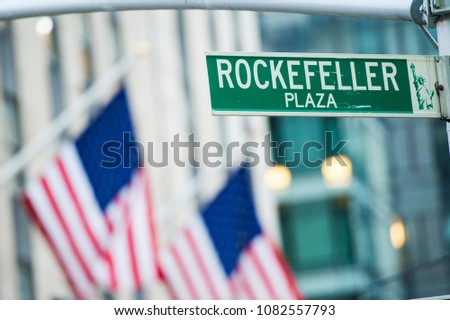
(51, 133)
(443, 34)
(380, 9)
(448, 134)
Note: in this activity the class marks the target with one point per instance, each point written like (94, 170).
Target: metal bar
(59, 125)
(443, 34)
(448, 134)
(380, 9)
(429, 36)
(444, 297)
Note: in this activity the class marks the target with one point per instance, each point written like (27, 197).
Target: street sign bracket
(427, 12)
(419, 12)
(443, 71)
(428, 35)
(439, 7)
(422, 16)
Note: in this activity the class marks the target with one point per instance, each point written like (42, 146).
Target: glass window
(307, 136)
(316, 235)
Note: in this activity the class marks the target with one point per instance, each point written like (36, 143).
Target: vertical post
(443, 34)
(448, 134)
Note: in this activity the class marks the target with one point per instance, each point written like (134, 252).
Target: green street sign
(288, 84)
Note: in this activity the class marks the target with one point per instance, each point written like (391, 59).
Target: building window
(302, 142)
(316, 235)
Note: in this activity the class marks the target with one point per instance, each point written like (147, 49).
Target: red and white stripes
(191, 267)
(115, 249)
(261, 273)
(132, 246)
(111, 250)
(193, 271)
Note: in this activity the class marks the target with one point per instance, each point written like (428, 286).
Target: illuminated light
(397, 233)
(44, 26)
(142, 48)
(278, 178)
(337, 172)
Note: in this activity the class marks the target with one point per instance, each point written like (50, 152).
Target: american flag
(97, 216)
(224, 254)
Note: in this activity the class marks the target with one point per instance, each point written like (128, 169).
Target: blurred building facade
(46, 65)
(339, 239)
(336, 239)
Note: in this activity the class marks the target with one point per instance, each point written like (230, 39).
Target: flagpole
(380, 9)
(62, 122)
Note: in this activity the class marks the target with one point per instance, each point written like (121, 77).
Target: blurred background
(375, 229)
